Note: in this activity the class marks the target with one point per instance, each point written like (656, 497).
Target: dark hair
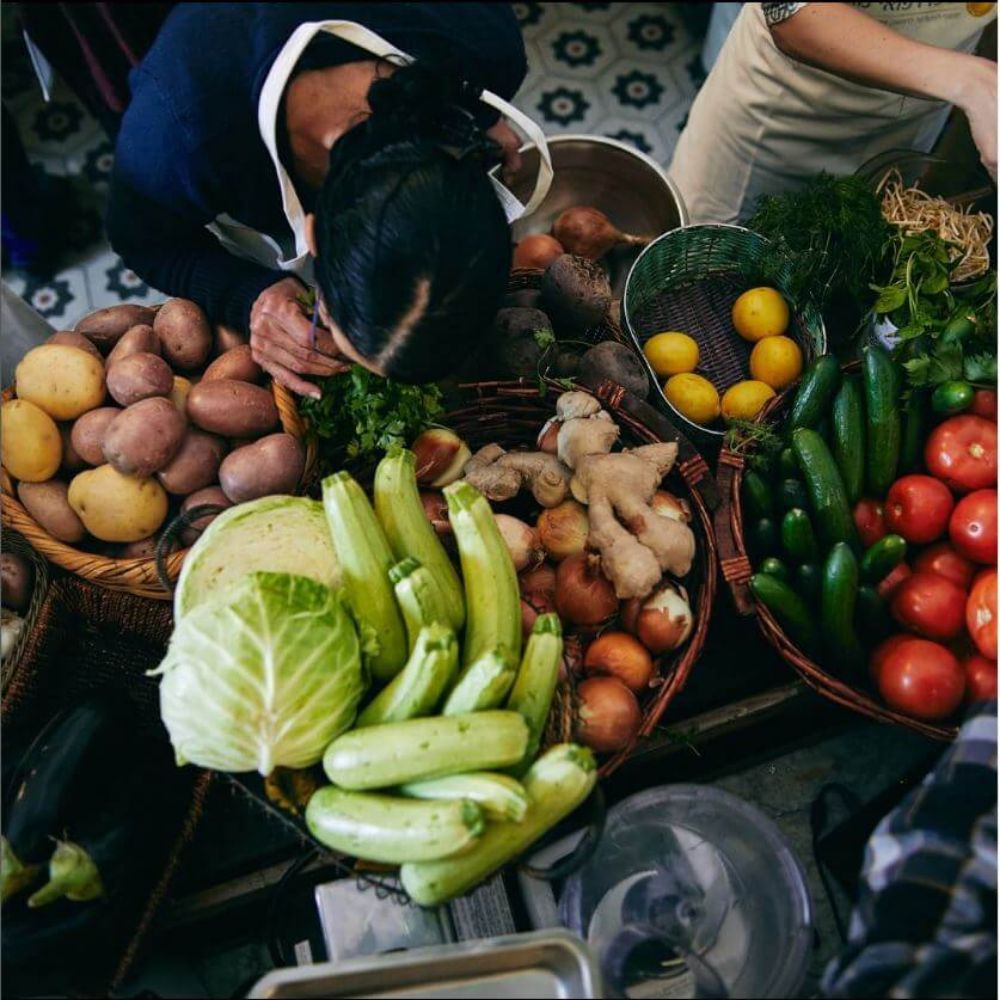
(413, 248)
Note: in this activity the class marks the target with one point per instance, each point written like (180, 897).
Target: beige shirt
(764, 123)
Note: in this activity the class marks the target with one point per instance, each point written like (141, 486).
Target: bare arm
(837, 38)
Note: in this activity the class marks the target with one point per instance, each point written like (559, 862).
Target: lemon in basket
(671, 353)
(743, 401)
(776, 361)
(693, 396)
(759, 313)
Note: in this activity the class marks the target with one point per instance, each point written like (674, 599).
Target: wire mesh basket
(687, 280)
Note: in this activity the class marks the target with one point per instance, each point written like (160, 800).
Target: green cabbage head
(265, 677)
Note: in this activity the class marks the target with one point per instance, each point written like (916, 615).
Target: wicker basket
(688, 280)
(135, 576)
(511, 414)
(737, 569)
(85, 639)
(13, 542)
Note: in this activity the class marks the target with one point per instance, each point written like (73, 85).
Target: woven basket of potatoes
(136, 415)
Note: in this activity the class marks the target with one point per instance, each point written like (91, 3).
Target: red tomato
(984, 404)
(929, 605)
(869, 519)
(887, 587)
(943, 559)
(962, 452)
(922, 679)
(981, 613)
(980, 678)
(882, 651)
(918, 508)
(973, 526)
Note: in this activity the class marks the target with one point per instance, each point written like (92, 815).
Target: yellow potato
(64, 381)
(30, 442)
(179, 393)
(117, 508)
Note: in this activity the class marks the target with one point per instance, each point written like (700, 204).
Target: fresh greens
(759, 444)
(264, 678)
(362, 415)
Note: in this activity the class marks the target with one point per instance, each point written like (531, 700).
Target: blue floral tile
(528, 14)
(637, 89)
(98, 162)
(651, 32)
(563, 105)
(57, 121)
(49, 298)
(576, 48)
(125, 282)
(633, 138)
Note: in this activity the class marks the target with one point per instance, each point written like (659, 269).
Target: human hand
(509, 143)
(282, 340)
(980, 106)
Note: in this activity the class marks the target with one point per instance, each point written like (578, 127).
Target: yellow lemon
(671, 353)
(759, 313)
(693, 396)
(744, 400)
(776, 361)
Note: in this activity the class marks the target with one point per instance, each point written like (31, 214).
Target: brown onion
(537, 251)
(436, 509)
(608, 714)
(621, 656)
(548, 436)
(533, 605)
(665, 622)
(587, 232)
(540, 580)
(441, 456)
(521, 539)
(667, 505)
(563, 529)
(584, 596)
(630, 614)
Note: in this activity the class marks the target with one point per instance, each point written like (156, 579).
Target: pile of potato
(127, 416)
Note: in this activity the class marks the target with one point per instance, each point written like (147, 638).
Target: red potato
(195, 465)
(70, 338)
(272, 465)
(139, 376)
(237, 363)
(211, 496)
(47, 503)
(143, 438)
(105, 327)
(185, 336)
(139, 339)
(87, 435)
(232, 409)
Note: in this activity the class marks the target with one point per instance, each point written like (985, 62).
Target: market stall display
(97, 450)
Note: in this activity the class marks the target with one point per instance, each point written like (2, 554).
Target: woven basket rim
(816, 676)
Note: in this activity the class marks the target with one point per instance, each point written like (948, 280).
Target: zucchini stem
(15, 875)
(72, 873)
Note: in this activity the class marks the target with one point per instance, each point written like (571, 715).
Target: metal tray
(535, 966)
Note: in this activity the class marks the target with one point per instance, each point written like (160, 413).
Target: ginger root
(586, 429)
(500, 475)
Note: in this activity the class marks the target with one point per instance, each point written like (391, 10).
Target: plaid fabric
(926, 920)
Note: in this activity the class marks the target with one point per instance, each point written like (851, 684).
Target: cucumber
(757, 501)
(762, 538)
(808, 581)
(400, 752)
(390, 829)
(500, 796)
(831, 511)
(797, 536)
(775, 567)
(915, 430)
(847, 436)
(872, 616)
(792, 493)
(951, 397)
(882, 558)
(482, 685)
(788, 465)
(532, 693)
(839, 597)
(421, 684)
(883, 422)
(788, 607)
(558, 782)
(815, 391)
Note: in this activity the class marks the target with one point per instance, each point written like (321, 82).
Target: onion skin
(608, 715)
(537, 251)
(622, 656)
(587, 232)
(665, 621)
(441, 456)
(540, 581)
(548, 436)
(563, 529)
(584, 596)
(533, 605)
(436, 509)
(630, 615)
(667, 505)
(521, 540)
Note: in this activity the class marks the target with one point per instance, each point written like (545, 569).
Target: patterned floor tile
(585, 51)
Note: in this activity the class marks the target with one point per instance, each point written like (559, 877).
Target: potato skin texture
(185, 336)
(30, 443)
(117, 508)
(195, 465)
(274, 464)
(139, 376)
(104, 327)
(47, 503)
(87, 435)
(232, 409)
(70, 338)
(17, 580)
(64, 381)
(137, 340)
(237, 364)
(143, 438)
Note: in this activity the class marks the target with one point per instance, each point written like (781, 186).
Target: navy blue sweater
(190, 147)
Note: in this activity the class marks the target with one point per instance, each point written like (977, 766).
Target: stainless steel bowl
(629, 187)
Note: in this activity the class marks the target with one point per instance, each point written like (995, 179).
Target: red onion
(441, 456)
(587, 232)
(436, 509)
(621, 656)
(537, 251)
(563, 529)
(608, 714)
(584, 596)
